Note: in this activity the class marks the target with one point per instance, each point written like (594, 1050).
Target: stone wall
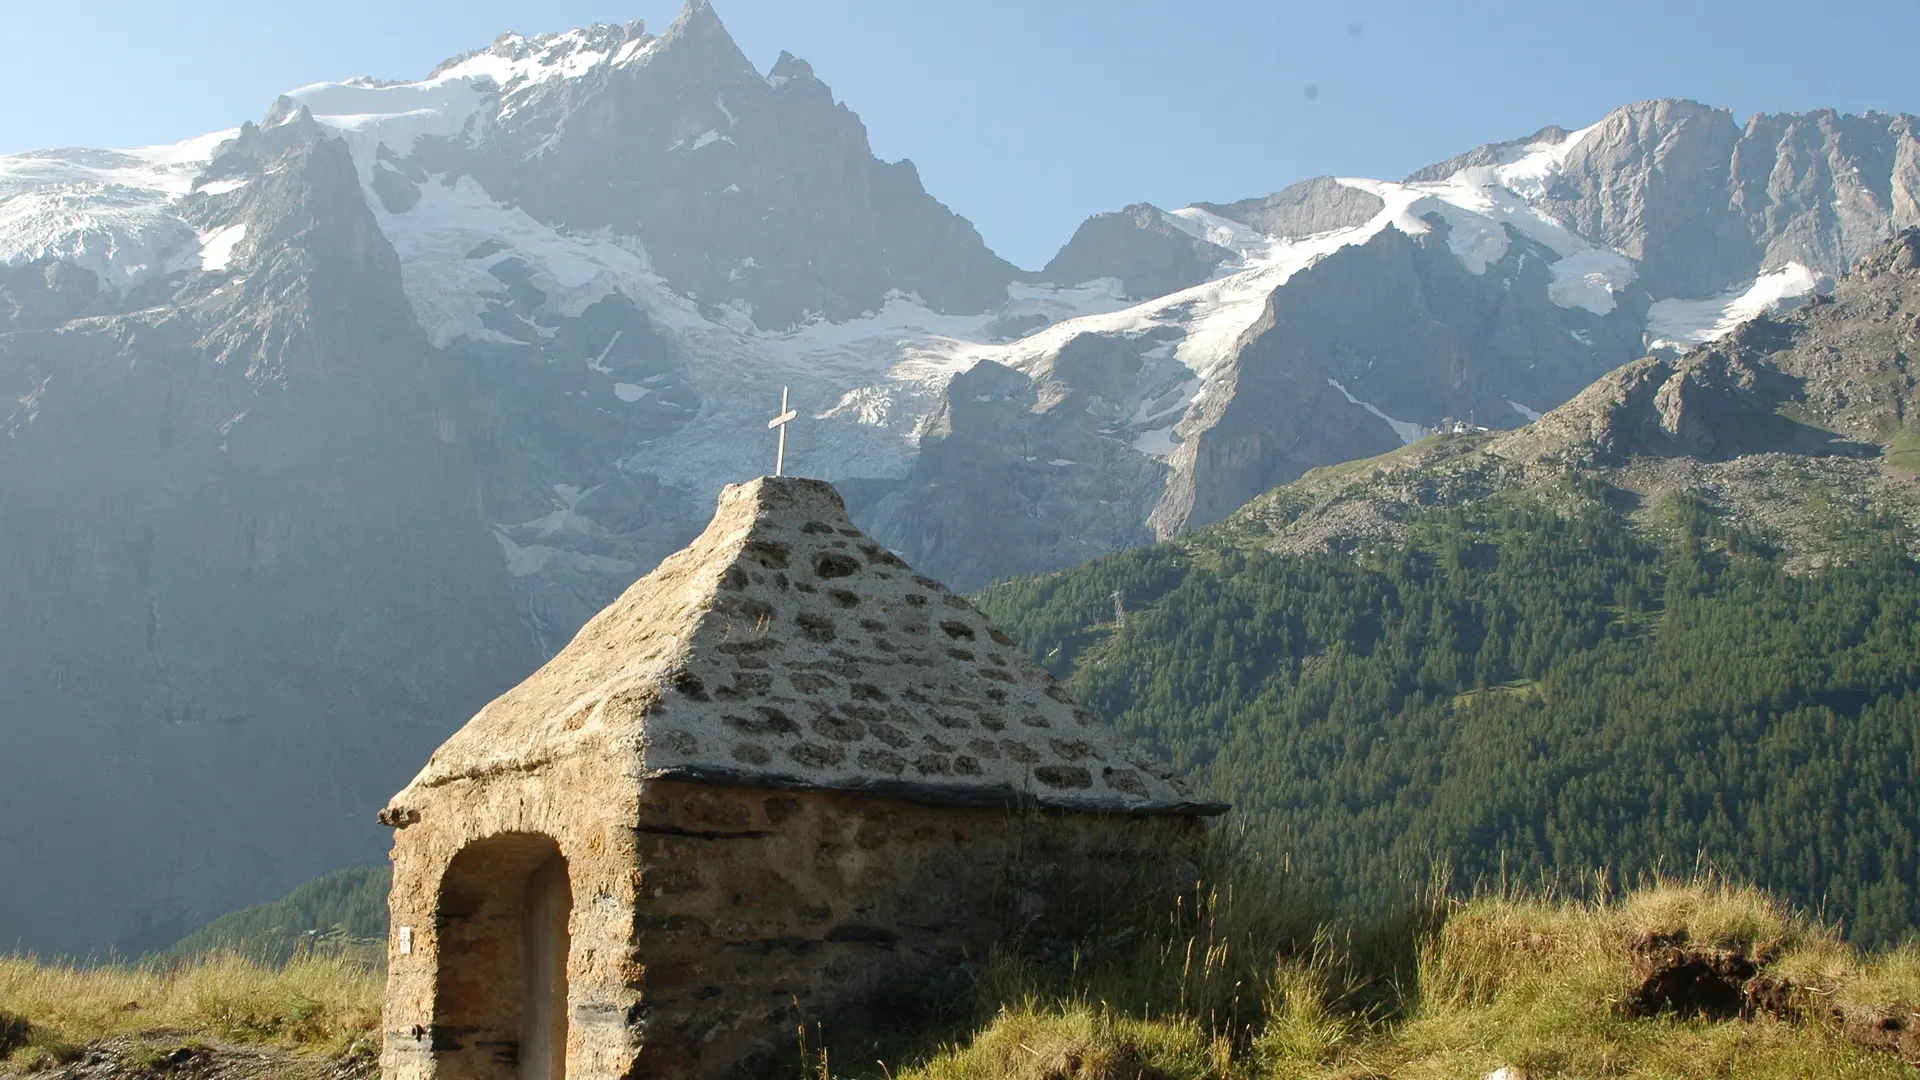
(709, 921)
(460, 873)
(758, 901)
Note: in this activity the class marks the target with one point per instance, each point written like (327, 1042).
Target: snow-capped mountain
(1342, 317)
(322, 430)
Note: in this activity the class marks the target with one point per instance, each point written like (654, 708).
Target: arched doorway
(500, 993)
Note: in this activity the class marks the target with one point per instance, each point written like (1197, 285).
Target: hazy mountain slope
(246, 576)
(344, 911)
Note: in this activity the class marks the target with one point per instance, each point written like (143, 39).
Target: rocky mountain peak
(1310, 206)
(1140, 246)
(757, 197)
(698, 43)
(514, 56)
(788, 68)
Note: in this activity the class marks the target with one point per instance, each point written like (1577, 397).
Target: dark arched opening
(500, 995)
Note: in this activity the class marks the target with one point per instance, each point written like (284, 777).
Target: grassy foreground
(1237, 982)
(326, 1005)
(1536, 987)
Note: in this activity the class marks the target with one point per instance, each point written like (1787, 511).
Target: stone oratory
(777, 773)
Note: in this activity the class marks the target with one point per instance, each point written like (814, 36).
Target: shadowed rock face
(44, 293)
(1016, 475)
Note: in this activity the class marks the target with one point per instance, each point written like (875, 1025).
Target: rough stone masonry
(779, 772)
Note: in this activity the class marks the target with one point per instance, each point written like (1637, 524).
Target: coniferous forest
(1526, 695)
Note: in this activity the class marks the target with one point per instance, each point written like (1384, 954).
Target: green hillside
(1529, 687)
(342, 913)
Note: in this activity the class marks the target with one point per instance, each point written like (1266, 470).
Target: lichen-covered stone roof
(784, 648)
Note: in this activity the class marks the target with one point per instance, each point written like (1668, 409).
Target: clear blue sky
(1028, 115)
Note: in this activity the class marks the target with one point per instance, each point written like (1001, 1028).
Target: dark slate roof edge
(936, 794)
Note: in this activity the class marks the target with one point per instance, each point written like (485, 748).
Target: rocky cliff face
(1698, 201)
(321, 430)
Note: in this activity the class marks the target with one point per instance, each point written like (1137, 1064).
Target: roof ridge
(784, 648)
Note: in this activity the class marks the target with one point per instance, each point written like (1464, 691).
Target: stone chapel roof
(783, 648)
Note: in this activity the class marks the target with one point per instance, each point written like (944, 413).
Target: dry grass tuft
(1080, 1042)
(323, 1005)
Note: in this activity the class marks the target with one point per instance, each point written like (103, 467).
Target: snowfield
(1682, 324)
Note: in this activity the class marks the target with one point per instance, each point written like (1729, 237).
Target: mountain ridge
(1815, 403)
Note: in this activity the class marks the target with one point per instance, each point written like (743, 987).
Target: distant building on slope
(778, 771)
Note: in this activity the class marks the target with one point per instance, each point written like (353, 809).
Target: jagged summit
(546, 48)
(787, 68)
(784, 648)
(698, 31)
(1493, 153)
(696, 17)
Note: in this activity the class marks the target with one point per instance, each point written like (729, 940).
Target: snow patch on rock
(450, 292)
(1409, 433)
(399, 115)
(216, 248)
(1484, 206)
(1530, 414)
(1682, 324)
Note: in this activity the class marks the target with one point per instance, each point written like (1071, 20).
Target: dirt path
(155, 1056)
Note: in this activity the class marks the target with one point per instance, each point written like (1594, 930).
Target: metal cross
(787, 416)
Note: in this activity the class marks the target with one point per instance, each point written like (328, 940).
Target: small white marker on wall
(406, 941)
